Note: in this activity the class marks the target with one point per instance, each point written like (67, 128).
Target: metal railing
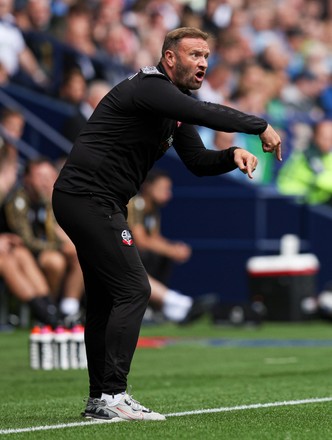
(38, 124)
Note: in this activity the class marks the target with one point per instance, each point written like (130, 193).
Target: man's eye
(197, 55)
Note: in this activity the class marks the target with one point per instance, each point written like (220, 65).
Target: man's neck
(162, 69)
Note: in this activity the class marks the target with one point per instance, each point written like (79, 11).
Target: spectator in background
(29, 214)
(36, 21)
(36, 16)
(79, 30)
(60, 43)
(253, 94)
(216, 88)
(308, 173)
(190, 17)
(295, 43)
(275, 58)
(150, 42)
(95, 92)
(287, 17)
(302, 96)
(161, 14)
(107, 13)
(233, 49)
(325, 98)
(18, 268)
(118, 52)
(158, 254)
(12, 123)
(78, 35)
(8, 171)
(318, 61)
(73, 87)
(150, 21)
(15, 57)
(251, 78)
(262, 29)
(217, 85)
(217, 15)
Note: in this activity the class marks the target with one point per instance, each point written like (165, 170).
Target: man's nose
(203, 62)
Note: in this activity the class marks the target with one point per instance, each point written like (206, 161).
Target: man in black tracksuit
(131, 128)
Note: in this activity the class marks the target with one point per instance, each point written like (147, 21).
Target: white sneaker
(127, 409)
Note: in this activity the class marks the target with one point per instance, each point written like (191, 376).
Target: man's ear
(169, 58)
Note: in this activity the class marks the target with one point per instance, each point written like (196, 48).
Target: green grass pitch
(202, 367)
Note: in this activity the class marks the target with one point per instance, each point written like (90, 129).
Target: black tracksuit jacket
(135, 124)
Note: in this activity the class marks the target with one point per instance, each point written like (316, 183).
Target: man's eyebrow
(203, 51)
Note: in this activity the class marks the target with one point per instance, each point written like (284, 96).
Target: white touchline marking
(60, 426)
(178, 414)
(253, 406)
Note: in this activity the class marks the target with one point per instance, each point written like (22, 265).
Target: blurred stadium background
(242, 220)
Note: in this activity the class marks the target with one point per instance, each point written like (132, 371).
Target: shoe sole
(117, 419)
(102, 419)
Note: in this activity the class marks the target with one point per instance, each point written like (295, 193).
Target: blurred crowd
(268, 57)
(272, 58)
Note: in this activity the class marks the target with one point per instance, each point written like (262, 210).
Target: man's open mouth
(200, 75)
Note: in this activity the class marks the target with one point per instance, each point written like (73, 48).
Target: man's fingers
(271, 142)
(245, 161)
(278, 152)
(268, 148)
(251, 168)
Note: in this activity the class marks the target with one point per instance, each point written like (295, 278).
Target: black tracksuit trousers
(116, 286)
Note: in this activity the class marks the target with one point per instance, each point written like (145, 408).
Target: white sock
(111, 399)
(69, 306)
(176, 305)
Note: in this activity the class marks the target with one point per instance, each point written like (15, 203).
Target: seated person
(96, 90)
(158, 254)
(18, 267)
(16, 58)
(29, 214)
